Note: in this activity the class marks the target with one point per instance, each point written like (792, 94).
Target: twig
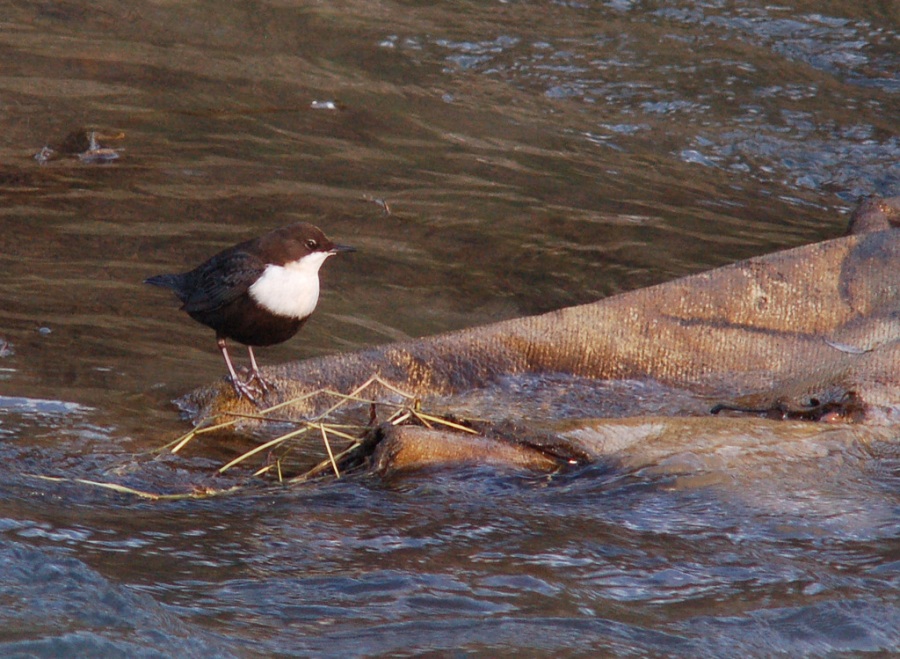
(337, 473)
(323, 466)
(262, 447)
(403, 411)
(122, 489)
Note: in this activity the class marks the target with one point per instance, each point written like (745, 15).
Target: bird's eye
(312, 244)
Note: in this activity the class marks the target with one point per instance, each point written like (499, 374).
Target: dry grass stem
(424, 418)
(337, 473)
(263, 447)
(400, 417)
(152, 496)
(323, 466)
(404, 411)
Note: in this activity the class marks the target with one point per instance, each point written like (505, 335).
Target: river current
(488, 160)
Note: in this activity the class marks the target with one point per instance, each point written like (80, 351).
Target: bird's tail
(172, 282)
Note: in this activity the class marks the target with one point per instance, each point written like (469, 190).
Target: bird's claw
(257, 377)
(255, 385)
(248, 390)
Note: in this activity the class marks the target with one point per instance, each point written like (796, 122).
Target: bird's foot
(255, 378)
(249, 389)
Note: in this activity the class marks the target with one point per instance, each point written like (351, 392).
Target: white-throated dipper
(258, 293)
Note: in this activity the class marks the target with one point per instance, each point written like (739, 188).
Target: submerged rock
(875, 214)
(797, 331)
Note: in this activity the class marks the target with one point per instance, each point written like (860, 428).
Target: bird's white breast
(292, 289)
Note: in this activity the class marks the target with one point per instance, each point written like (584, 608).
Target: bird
(259, 292)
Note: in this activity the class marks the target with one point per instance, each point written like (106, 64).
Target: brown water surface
(533, 155)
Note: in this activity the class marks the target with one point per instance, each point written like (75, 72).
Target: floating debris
(846, 347)
(322, 425)
(385, 208)
(323, 105)
(46, 154)
(97, 153)
(359, 437)
(89, 146)
(848, 409)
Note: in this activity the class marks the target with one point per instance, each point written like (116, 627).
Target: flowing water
(532, 155)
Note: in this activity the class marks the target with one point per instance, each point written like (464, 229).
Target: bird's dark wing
(221, 280)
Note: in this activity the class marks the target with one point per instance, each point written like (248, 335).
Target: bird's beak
(341, 248)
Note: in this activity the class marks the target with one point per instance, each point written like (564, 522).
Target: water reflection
(533, 155)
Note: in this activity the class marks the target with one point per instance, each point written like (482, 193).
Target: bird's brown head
(291, 243)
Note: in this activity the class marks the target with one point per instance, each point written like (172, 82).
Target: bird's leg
(254, 372)
(240, 388)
